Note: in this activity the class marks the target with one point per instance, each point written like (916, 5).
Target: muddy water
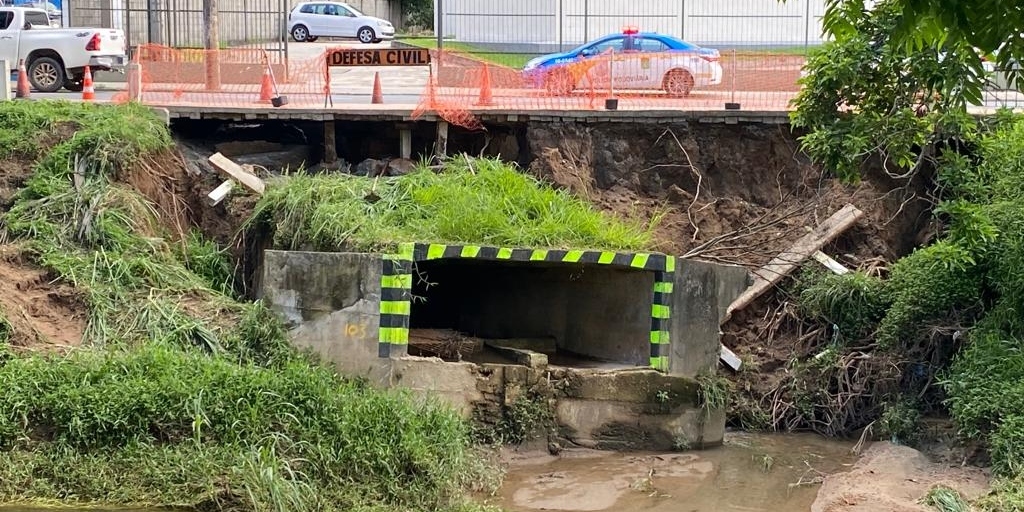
(749, 473)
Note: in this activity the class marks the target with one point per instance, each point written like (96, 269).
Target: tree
(868, 93)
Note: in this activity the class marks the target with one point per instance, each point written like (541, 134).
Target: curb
(106, 87)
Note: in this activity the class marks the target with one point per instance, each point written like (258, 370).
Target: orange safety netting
(235, 77)
(464, 84)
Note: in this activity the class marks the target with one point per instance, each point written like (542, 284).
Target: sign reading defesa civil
(379, 57)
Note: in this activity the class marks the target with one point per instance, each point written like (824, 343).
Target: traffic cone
(23, 91)
(378, 95)
(88, 93)
(486, 95)
(266, 87)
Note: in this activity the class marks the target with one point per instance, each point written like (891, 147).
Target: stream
(749, 473)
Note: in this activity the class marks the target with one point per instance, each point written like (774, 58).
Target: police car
(631, 60)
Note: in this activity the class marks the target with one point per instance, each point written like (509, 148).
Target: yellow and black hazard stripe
(396, 284)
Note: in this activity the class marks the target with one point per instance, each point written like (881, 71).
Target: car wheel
(75, 84)
(46, 74)
(366, 35)
(300, 33)
(678, 83)
(559, 82)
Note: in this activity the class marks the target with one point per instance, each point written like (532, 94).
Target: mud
(749, 472)
(43, 314)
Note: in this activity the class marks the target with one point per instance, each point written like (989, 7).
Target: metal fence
(180, 23)
(542, 26)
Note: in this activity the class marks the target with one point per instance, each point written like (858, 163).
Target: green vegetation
(989, 26)
(485, 202)
(180, 425)
(512, 60)
(944, 499)
(184, 395)
(948, 312)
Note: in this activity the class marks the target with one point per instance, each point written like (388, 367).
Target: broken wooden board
(769, 275)
(831, 264)
(730, 358)
(214, 198)
(238, 173)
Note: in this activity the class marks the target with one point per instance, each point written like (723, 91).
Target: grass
(285, 435)
(486, 203)
(510, 59)
(183, 395)
(945, 499)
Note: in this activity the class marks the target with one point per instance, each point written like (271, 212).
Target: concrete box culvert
(611, 312)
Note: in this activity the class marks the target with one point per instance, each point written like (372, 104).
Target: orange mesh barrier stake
(486, 95)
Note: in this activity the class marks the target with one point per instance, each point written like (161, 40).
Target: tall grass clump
(108, 240)
(277, 437)
(489, 203)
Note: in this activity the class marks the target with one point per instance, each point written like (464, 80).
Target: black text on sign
(382, 57)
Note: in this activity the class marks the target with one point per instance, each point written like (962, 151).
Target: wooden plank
(830, 263)
(767, 276)
(214, 198)
(238, 173)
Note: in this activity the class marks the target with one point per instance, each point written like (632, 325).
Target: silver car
(311, 20)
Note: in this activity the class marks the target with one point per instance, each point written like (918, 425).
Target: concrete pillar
(134, 81)
(441, 146)
(5, 68)
(405, 148)
(330, 143)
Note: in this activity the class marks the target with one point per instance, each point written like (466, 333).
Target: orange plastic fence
(459, 84)
(639, 81)
(236, 77)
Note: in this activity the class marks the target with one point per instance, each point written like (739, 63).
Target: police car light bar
(630, 30)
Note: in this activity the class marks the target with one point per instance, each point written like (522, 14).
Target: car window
(346, 11)
(652, 45)
(6, 17)
(308, 9)
(614, 45)
(37, 19)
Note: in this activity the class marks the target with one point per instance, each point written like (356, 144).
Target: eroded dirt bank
(895, 479)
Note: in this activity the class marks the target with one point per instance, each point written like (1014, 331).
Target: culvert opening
(579, 315)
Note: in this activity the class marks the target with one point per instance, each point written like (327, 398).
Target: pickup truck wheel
(75, 84)
(46, 74)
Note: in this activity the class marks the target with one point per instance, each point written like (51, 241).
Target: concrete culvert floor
(578, 315)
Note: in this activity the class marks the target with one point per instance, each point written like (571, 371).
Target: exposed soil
(43, 314)
(738, 194)
(894, 478)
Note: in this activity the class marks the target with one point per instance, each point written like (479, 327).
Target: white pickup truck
(56, 57)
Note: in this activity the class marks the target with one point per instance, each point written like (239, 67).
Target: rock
(554, 448)
(893, 478)
(400, 167)
(369, 167)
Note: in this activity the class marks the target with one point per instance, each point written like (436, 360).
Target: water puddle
(749, 473)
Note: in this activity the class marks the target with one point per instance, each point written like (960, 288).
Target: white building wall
(570, 22)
